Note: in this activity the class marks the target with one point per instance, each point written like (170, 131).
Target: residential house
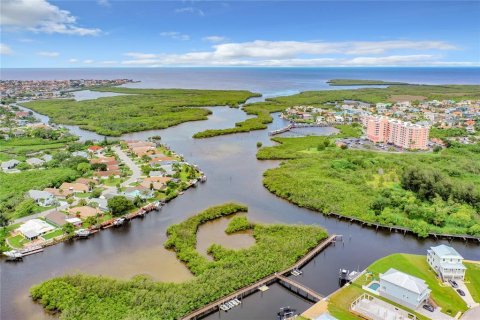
(403, 288)
(42, 198)
(96, 150)
(10, 164)
(157, 183)
(142, 151)
(74, 187)
(138, 191)
(58, 218)
(34, 228)
(102, 203)
(84, 211)
(446, 262)
(59, 193)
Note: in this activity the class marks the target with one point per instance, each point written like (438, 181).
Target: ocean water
(268, 81)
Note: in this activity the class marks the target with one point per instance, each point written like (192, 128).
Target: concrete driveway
(468, 297)
(472, 314)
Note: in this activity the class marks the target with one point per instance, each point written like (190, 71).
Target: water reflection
(213, 232)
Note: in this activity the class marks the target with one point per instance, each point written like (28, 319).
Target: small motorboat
(82, 233)
(119, 221)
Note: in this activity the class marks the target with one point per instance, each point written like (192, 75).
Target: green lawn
(472, 279)
(416, 265)
(17, 241)
(53, 234)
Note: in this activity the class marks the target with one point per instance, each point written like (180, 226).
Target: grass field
(472, 279)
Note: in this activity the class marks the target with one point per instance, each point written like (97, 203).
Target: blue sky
(109, 33)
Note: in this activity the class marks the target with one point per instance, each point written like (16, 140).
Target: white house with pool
(403, 288)
(446, 262)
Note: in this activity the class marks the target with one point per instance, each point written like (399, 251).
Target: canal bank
(234, 175)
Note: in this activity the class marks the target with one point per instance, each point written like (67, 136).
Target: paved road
(136, 171)
(38, 215)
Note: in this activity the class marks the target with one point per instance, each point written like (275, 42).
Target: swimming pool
(374, 286)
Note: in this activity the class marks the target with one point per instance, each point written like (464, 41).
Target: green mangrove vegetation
(427, 192)
(92, 297)
(138, 110)
(238, 223)
(324, 98)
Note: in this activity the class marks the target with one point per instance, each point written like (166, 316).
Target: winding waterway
(234, 174)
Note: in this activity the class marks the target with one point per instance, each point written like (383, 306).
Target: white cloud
(138, 55)
(104, 3)
(191, 10)
(5, 50)
(50, 54)
(41, 16)
(88, 61)
(175, 35)
(72, 60)
(296, 53)
(214, 39)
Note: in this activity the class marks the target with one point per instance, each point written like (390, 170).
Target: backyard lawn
(472, 280)
(53, 234)
(17, 241)
(415, 265)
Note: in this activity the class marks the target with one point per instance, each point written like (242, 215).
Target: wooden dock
(308, 293)
(279, 276)
(464, 237)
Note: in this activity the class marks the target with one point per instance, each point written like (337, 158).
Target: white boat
(223, 307)
(82, 233)
(119, 221)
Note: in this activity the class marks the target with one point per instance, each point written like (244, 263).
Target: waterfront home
(138, 144)
(138, 191)
(142, 151)
(446, 262)
(42, 198)
(403, 288)
(156, 183)
(35, 162)
(168, 168)
(58, 218)
(84, 211)
(34, 228)
(102, 203)
(74, 187)
(156, 173)
(10, 164)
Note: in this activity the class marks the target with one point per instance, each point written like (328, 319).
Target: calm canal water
(234, 174)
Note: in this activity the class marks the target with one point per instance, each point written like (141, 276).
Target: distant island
(356, 82)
